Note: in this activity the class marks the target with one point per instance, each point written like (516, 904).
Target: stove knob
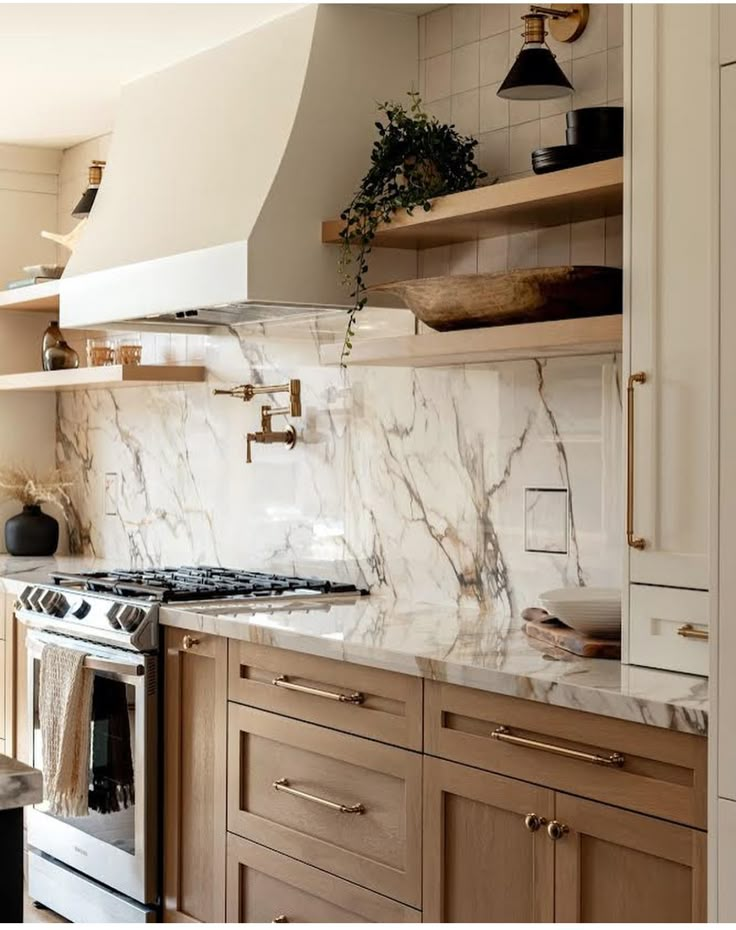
(112, 616)
(81, 610)
(129, 617)
(53, 604)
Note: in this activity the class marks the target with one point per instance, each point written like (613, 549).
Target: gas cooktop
(121, 608)
(194, 583)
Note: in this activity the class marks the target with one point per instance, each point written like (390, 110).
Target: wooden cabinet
(481, 862)
(272, 818)
(598, 863)
(612, 866)
(347, 805)
(727, 32)
(642, 768)
(195, 724)
(265, 887)
(671, 287)
(366, 701)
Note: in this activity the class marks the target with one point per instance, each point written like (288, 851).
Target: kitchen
(309, 562)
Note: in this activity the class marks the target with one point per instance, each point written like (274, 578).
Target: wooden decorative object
(525, 295)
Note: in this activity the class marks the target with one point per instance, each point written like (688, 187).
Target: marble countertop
(464, 646)
(20, 785)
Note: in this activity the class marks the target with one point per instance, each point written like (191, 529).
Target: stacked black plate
(593, 134)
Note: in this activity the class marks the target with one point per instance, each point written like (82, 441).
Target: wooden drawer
(659, 621)
(377, 846)
(663, 773)
(389, 708)
(265, 887)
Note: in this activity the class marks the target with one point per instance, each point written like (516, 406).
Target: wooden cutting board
(560, 636)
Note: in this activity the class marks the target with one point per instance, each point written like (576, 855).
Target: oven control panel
(97, 617)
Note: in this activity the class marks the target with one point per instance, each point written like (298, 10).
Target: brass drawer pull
(282, 784)
(355, 698)
(636, 542)
(505, 736)
(688, 631)
(557, 830)
(534, 822)
(188, 642)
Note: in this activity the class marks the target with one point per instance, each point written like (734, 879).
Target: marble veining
(477, 647)
(463, 646)
(20, 785)
(408, 481)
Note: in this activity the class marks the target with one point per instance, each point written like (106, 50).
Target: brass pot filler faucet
(267, 434)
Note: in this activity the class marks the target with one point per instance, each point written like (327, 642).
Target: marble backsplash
(479, 484)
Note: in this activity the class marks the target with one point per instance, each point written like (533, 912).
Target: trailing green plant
(415, 158)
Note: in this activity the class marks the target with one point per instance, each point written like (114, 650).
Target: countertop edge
(672, 715)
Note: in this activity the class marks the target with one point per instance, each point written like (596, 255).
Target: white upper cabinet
(727, 12)
(671, 257)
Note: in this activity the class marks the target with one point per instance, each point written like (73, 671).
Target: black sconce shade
(535, 75)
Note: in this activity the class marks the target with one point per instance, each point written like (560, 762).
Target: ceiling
(62, 64)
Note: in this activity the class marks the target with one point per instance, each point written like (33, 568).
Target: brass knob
(189, 641)
(533, 822)
(557, 830)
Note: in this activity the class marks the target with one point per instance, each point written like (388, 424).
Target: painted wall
(28, 204)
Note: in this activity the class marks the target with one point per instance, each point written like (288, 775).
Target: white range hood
(222, 167)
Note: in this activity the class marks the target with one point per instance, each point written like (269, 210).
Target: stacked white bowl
(593, 611)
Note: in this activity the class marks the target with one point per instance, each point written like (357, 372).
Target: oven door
(118, 849)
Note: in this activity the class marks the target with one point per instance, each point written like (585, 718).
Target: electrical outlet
(112, 481)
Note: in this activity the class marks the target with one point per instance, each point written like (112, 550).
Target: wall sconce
(84, 206)
(535, 75)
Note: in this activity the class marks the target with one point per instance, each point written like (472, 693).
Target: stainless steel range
(104, 867)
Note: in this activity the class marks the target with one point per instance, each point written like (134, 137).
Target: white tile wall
(465, 52)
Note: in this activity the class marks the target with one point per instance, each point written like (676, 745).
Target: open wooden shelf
(36, 298)
(590, 336)
(568, 196)
(108, 376)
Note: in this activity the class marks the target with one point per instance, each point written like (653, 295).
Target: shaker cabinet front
(487, 857)
(671, 287)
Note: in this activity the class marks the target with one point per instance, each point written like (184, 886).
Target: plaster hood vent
(222, 167)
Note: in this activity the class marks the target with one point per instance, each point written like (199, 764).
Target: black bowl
(595, 126)
(558, 157)
(613, 142)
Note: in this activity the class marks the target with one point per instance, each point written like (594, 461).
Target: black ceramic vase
(32, 532)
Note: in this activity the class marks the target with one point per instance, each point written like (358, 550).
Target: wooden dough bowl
(524, 295)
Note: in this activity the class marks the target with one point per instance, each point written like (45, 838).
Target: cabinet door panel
(281, 774)
(195, 722)
(264, 887)
(617, 867)
(672, 257)
(481, 863)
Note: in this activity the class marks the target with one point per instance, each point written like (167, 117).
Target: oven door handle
(93, 662)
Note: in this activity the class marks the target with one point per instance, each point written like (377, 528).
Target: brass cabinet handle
(557, 830)
(505, 736)
(281, 919)
(688, 631)
(533, 822)
(636, 542)
(188, 642)
(282, 784)
(354, 698)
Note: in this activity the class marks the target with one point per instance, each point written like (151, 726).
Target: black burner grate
(191, 583)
